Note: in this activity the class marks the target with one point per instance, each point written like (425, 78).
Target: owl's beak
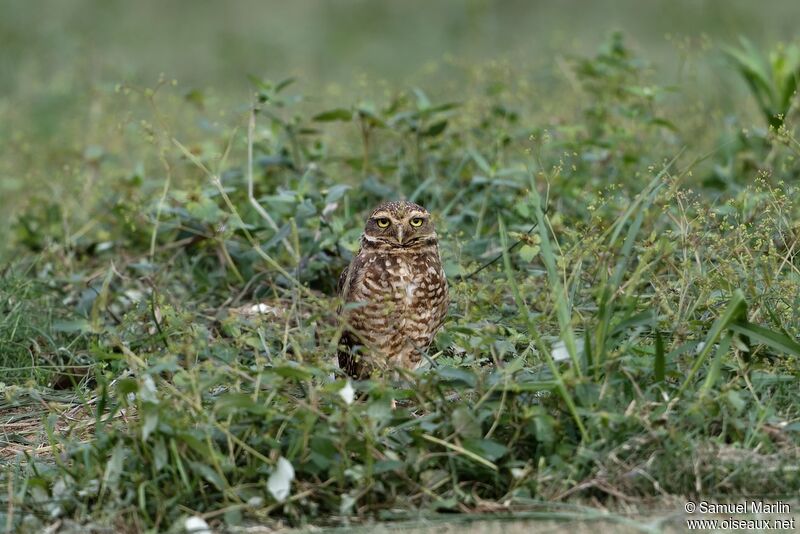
(400, 235)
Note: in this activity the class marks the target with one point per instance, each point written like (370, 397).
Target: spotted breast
(395, 292)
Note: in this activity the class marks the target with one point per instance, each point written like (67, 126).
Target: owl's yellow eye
(383, 222)
(416, 221)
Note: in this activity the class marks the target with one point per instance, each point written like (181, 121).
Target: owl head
(400, 224)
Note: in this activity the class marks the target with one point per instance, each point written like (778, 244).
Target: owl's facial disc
(414, 227)
(382, 226)
(406, 227)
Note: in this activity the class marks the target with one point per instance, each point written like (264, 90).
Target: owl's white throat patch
(411, 283)
(410, 288)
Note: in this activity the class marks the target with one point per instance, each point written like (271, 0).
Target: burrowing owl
(398, 289)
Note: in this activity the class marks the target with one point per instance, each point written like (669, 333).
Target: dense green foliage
(624, 324)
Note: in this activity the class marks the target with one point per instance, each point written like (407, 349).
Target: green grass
(594, 212)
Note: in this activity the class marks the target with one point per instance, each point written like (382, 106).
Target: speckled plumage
(396, 290)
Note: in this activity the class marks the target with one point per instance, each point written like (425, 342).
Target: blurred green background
(50, 44)
(59, 57)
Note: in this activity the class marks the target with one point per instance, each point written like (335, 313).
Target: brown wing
(349, 360)
(342, 280)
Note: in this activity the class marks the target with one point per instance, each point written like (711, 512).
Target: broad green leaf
(465, 423)
(487, 448)
(336, 192)
(231, 403)
(338, 114)
(113, 469)
(455, 374)
(765, 336)
(72, 326)
(209, 474)
(435, 129)
(528, 252)
(150, 421)
(384, 466)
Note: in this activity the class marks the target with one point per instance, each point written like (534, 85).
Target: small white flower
(134, 295)
(280, 480)
(346, 504)
(262, 309)
(560, 352)
(329, 208)
(255, 502)
(347, 393)
(59, 490)
(147, 390)
(197, 525)
(517, 472)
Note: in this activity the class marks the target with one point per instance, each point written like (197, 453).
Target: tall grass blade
(716, 365)
(765, 336)
(611, 287)
(588, 359)
(737, 308)
(659, 364)
(523, 309)
(563, 308)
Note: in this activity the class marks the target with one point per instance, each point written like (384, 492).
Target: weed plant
(624, 319)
